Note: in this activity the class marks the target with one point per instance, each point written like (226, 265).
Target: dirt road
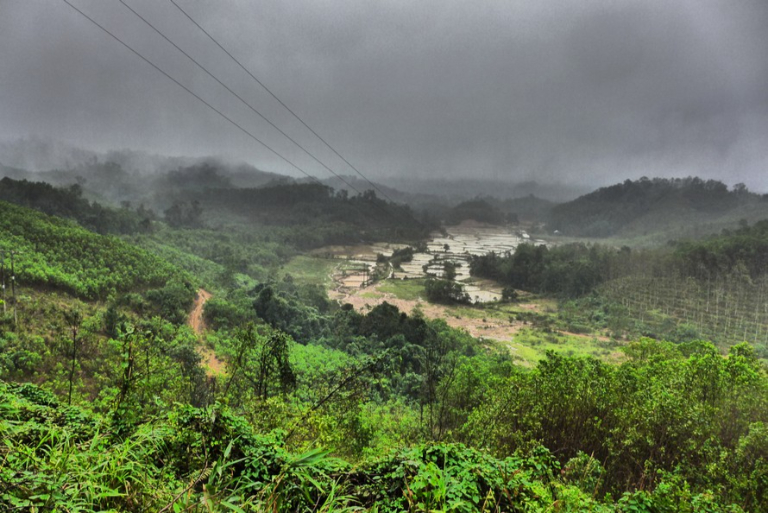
(196, 321)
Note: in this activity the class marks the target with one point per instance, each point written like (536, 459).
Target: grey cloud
(590, 92)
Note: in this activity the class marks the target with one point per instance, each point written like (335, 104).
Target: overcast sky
(580, 91)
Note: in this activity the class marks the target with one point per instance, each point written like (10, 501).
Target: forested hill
(316, 213)
(678, 207)
(69, 203)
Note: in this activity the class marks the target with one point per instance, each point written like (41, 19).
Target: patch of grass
(526, 355)
(503, 311)
(40, 312)
(404, 289)
(469, 312)
(310, 270)
(530, 345)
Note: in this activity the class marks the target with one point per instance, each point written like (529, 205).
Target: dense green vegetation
(677, 412)
(713, 288)
(673, 429)
(57, 253)
(742, 251)
(400, 256)
(216, 255)
(311, 215)
(570, 270)
(445, 291)
(106, 405)
(69, 203)
(265, 226)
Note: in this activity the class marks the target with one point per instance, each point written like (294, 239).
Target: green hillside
(714, 288)
(311, 215)
(56, 253)
(112, 397)
(667, 208)
(69, 203)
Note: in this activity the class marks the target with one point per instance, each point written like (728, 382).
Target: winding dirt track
(196, 321)
(213, 365)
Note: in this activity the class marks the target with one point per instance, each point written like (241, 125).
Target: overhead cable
(244, 102)
(268, 90)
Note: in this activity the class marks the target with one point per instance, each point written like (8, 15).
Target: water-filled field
(457, 245)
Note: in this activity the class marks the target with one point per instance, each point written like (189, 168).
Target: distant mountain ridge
(674, 205)
(463, 189)
(121, 176)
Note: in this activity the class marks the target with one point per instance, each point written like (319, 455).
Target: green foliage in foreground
(671, 413)
(58, 458)
(426, 418)
(59, 254)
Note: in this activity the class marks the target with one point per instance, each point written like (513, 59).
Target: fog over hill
(39, 154)
(59, 163)
(587, 93)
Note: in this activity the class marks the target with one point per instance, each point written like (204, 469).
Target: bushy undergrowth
(58, 458)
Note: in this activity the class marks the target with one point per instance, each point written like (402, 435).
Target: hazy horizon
(589, 93)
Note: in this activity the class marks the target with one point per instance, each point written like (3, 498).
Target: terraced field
(357, 264)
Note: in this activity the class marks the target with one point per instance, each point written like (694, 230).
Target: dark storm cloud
(588, 91)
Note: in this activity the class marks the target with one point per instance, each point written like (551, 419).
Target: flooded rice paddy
(457, 245)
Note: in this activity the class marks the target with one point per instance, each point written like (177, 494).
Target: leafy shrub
(445, 291)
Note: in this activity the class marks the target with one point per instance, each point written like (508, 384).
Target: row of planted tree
(716, 286)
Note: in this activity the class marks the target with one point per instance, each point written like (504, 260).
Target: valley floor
(510, 325)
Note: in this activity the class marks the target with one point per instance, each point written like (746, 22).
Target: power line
(281, 102)
(254, 109)
(225, 86)
(217, 111)
(407, 215)
(199, 98)
(220, 82)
